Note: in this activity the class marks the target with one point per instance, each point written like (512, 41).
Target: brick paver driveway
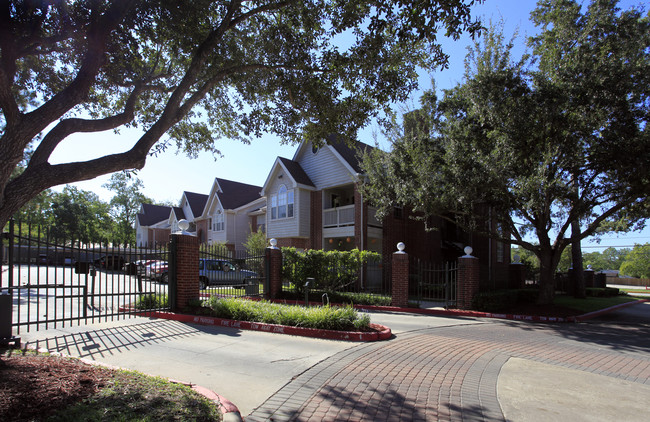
(451, 373)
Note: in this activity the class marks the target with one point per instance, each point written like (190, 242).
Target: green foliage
(79, 215)
(189, 74)
(323, 317)
(557, 137)
(255, 242)
(496, 301)
(124, 206)
(609, 259)
(152, 301)
(602, 292)
(637, 262)
(331, 270)
(132, 396)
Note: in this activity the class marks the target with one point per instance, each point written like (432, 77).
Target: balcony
(338, 217)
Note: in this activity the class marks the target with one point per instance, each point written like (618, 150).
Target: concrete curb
(381, 332)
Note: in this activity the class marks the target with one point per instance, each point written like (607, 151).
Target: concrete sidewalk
(434, 367)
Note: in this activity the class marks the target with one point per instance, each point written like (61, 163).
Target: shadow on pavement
(623, 330)
(109, 341)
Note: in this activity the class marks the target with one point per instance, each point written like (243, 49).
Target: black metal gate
(432, 282)
(231, 273)
(54, 284)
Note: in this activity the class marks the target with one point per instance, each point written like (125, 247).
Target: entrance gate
(56, 284)
(433, 282)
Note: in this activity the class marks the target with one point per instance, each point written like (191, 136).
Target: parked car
(110, 262)
(69, 260)
(218, 271)
(157, 270)
(43, 259)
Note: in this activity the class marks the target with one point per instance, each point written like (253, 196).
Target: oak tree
(191, 72)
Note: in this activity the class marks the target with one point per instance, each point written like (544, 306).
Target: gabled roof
(153, 214)
(234, 194)
(296, 171)
(349, 151)
(178, 212)
(196, 202)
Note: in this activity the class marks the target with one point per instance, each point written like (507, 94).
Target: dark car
(219, 271)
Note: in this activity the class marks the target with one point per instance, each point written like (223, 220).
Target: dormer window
(282, 204)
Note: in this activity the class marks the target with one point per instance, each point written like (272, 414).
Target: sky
(167, 175)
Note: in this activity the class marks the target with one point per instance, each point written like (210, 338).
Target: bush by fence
(331, 270)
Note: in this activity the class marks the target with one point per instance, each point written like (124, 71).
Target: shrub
(602, 291)
(331, 270)
(152, 301)
(324, 317)
(495, 301)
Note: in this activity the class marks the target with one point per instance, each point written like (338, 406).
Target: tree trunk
(576, 262)
(547, 266)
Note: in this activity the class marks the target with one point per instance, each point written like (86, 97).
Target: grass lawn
(37, 386)
(591, 304)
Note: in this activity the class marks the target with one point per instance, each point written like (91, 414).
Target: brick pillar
(274, 258)
(468, 280)
(589, 277)
(400, 279)
(187, 270)
(516, 275)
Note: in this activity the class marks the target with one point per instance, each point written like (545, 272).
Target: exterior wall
(324, 168)
(420, 244)
(202, 230)
(294, 242)
(360, 221)
(316, 228)
(286, 227)
(157, 237)
(302, 209)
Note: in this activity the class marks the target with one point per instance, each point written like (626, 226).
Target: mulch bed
(34, 387)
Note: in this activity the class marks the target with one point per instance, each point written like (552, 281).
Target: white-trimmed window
(218, 224)
(282, 204)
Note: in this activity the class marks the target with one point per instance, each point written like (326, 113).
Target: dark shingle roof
(349, 150)
(197, 202)
(178, 211)
(153, 214)
(234, 194)
(296, 172)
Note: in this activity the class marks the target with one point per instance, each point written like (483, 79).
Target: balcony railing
(339, 216)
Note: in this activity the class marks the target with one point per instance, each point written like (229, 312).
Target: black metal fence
(54, 284)
(372, 285)
(231, 273)
(433, 282)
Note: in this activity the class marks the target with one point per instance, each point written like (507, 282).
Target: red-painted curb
(594, 314)
(381, 332)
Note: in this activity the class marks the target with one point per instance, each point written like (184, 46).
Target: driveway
(434, 368)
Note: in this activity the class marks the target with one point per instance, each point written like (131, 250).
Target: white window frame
(282, 204)
(218, 222)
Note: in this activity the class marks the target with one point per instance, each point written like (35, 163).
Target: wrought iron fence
(231, 273)
(433, 282)
(54, 284)
(371, 285)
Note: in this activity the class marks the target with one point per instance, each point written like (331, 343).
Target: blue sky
(166, 176)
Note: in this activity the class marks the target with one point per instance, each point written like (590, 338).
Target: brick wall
(468, 281)
(275, 272)
(187, 270)
(400, 279)
(316, 228)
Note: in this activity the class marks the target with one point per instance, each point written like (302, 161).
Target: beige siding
(324, 168)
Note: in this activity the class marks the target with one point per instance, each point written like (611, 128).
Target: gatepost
(400, 277)
(273, 256)
(468, 279)
(184, 271)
